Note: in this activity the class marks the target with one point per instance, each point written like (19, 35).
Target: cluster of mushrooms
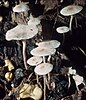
(42, 54)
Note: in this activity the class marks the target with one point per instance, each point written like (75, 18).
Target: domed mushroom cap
(50, 44)
(43, 68)
(62, 29)
(42, 51)
(78, 79)
(33, 61)
(71, 10)
(21, 32)
(22, 7)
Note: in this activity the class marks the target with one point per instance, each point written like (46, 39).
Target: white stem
(44, 59)
(49, 58)
(44, 76)
(37, 77)
(70, 25)
(69, 81)
(24, 54)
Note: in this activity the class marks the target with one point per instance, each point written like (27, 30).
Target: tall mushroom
(34, 61)
(70, 11)
(22, 32)
(62, 30)
(44, 69)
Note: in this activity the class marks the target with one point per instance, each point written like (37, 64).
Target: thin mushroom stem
(63, 38)
(44, 76)
(70, 25)
(24, 53)
(37, 78)
(44, 59)
(49, 58)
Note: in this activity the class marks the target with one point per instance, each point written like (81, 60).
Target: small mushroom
(21, 8)
(33, 61)
(43, 69)
(22, 32)
(70, 11)
(8, 76)
(78, 80)
(62, 30)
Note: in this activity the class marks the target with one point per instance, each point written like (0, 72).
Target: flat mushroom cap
(21, 32)
(43, 68)
(49, 43)
(78, 79)
(33, 61)
(22, 7)
(42, 51)
(71, 10)
(62, 29)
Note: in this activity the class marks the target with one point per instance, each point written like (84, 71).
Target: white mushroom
(62, 30)
(44, 69)
(22, 32)
(70, 11)
(49, 44)
(21, 8)
(33, 61)
(78, 80)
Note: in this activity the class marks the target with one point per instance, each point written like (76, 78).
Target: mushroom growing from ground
(21, 8)
(49, 44)
(62, 30)
(70, 11)
(22, 32)
(78, 80)
(34, 61)
(43, 69)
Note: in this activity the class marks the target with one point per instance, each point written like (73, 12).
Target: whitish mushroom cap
(22, 7)
(50, 44)
(33, 61)
(43, 68)
(72, 71)
(43, 51)
(78, 79)
(21, 32)
(71, 10)
(62, 29)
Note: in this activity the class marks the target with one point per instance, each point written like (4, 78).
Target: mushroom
(22, 32)
(70, 11)
(33, 61)
(78, 80)
(43, 69)
(43, 51)
(49, 44)
(62, 30)
(21, 8)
